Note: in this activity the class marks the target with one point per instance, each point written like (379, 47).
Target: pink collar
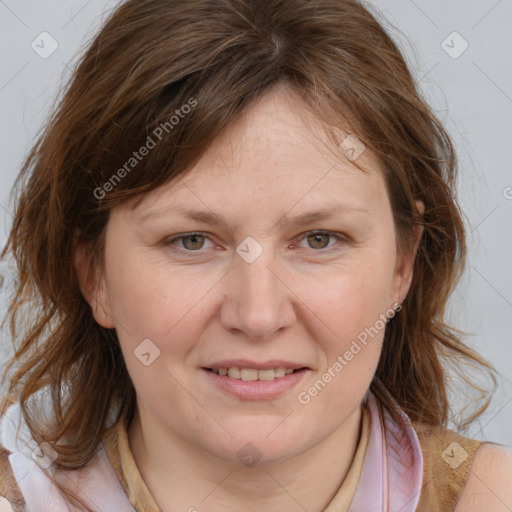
(392, 470)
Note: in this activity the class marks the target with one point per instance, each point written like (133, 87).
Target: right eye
(190, 242)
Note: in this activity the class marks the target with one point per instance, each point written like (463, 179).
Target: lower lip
(256, 389)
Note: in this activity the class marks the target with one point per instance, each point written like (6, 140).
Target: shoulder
(447, 460)
(489, 483)
(463, 474)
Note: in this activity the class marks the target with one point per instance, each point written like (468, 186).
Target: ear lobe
(91, 283)
(404, 270)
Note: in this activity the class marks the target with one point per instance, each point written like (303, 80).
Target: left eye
(319, 239)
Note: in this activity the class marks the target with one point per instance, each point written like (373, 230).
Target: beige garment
(447, 459)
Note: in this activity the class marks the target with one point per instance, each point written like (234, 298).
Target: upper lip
(246, 363)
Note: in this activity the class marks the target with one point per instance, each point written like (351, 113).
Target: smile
(248, 383)
(252, 374)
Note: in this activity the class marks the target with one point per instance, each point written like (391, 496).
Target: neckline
(120, 456)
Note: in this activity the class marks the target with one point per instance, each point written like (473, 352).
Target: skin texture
(303, 300)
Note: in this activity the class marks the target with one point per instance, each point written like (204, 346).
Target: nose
(257, 300)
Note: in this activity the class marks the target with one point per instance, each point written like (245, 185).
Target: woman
(292, 356)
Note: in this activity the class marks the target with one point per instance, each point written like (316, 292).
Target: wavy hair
(149, 59)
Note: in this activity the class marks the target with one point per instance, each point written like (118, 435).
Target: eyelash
(170, 242)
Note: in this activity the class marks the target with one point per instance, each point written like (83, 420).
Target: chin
(250, 454)
(259, 444)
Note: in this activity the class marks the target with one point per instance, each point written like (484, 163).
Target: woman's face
(293, 266)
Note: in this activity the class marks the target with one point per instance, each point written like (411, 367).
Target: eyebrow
(317, 215)
(211, 219)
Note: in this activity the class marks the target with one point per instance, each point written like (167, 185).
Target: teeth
(251, 374)
(279, 372)
(266, 374)
(234, 373)
(248, 374)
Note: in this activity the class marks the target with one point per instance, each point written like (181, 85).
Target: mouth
(252, 380)
(253, 374)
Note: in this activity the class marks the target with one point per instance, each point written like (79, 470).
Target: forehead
(278, 152)
(281, 129)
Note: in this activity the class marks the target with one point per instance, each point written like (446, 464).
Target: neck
(181, 476)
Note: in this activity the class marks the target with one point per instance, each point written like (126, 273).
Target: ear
(91, 282)
(405, 262)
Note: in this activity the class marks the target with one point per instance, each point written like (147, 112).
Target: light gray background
(472, 94)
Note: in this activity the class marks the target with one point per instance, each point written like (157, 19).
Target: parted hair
(151, 58)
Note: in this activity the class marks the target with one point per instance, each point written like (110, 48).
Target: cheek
(150, 304)
(351, 298)
(152, 300)
(350, 334)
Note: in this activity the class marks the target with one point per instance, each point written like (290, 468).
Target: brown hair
(151, 58)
